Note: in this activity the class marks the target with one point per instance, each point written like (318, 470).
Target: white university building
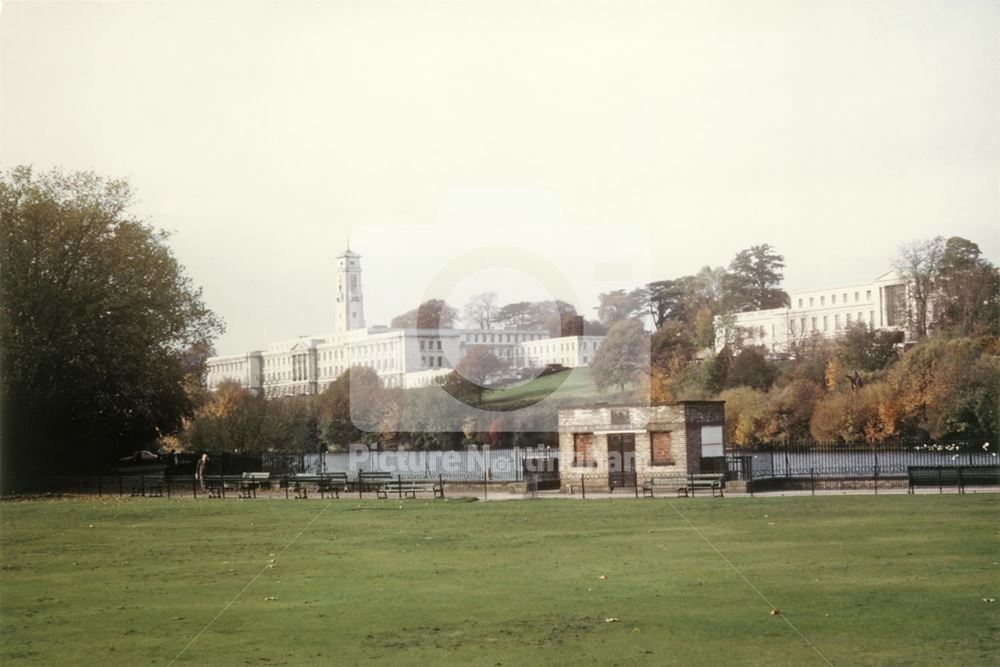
(881, 305)
(401, 357)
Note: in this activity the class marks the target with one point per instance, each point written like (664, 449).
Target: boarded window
(659, 446)
(583, 450)
(619, 418)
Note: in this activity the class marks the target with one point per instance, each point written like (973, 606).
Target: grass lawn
(866, 579)
(575, 385)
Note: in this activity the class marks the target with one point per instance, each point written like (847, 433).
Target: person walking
(199, 471)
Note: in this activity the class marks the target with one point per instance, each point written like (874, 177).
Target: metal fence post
(486, 491)
(583, 486)
(812, 480)
(194, 485)
(399, 485)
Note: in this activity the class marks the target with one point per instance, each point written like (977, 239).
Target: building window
(833, 299)
(857, 296)
(810, 301)
(825, 323)
(814, 324)
(822, 300)
(800, 303)
(845, 297)
(659, 449)
(868, 295)
(711, 441)
(583, 450)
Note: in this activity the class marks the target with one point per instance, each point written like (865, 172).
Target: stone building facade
(404, 358)
(882, 304)
(621, 443)
(568, 351)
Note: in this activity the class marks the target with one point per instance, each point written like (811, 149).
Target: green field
(576, 386)
(865, 579)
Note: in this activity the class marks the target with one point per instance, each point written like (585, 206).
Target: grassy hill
(570, 387)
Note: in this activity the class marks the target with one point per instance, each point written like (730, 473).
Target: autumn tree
(754, 280)
(230, 419)
(480, 366)
(96, 315)
(481, 310)
(431, 314)
(351, 408)
(918, 263)
(750, 368)
(671, 347)
(623, 356)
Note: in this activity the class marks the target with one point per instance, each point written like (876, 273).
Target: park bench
(705, 482)
(331, 482)
(372, 481)
(676, 484)
(217, 485)
(147, 485)
(952, 476)
(324, 483)
(409, 488)
(251, 481)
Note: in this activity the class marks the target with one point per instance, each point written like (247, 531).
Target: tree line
(103, 342)
(863, 386)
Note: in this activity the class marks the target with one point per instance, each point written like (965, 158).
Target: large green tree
(754, 280)
(623, 357)
(96, 315)
(968, 289)
(618, 305)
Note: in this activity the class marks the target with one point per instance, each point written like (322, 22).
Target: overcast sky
(265, 135)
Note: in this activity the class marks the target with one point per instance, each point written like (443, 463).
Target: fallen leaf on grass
(603, 576)
(775, 612)
(611, 620)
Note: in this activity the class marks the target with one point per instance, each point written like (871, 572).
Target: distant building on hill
(402, 357)
(881, 305)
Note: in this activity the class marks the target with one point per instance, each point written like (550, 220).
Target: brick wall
(684, 420)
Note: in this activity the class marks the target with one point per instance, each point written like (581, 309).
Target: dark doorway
(621, 459)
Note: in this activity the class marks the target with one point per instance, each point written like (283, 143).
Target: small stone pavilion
(631, 443)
